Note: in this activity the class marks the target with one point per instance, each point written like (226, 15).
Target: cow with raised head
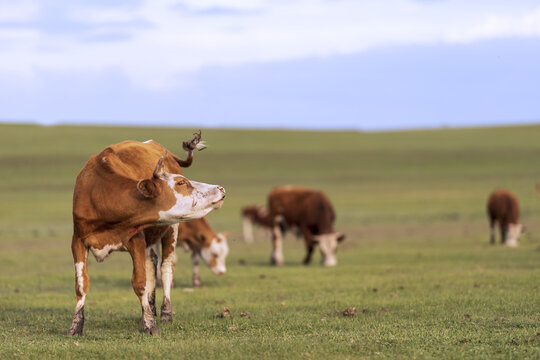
(199, 238)
(503, 208)
(255, 215)
(310, 212)
(121, 192)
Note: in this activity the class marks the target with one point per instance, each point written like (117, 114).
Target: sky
(317, 64)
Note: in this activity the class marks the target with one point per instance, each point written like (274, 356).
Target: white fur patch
(101, 254)
(277, 253)
(80, 303)
(203, 199)
(80, 280)
(147, 141)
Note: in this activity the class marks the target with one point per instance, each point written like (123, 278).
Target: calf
(503, 207)
(120, 193)
(255, 215)
(311, 212)
(198, 237)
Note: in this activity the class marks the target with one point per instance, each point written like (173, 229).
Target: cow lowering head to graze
(503, 208)
(119, 193)
(198, 237)
(255, 215)
(312, 214)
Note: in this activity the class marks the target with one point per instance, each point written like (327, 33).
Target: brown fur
(503, 208)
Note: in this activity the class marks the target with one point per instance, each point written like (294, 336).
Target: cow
(121, 195)
(255, 215)
(312, 214)
(503, 208)
(197, 237)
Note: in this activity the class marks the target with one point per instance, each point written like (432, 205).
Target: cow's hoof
(276, 262)
(166, 317)
(75, 332)
(197, 283)
(152, 330)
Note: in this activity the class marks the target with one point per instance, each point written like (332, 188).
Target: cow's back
(503, 206)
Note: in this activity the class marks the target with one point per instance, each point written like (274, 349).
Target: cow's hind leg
(168, 246)
(151, 265)
(82, 285)
(137, 249)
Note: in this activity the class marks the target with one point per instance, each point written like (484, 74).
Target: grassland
(416, 262)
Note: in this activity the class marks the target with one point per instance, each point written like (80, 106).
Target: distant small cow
(312, 214)
(198, 237)
(503, 207)
(255, 215)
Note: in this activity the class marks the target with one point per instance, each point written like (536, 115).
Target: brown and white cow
(197, 237)
(118, 194)
(312, 214)
(503, 208)
(255, 215)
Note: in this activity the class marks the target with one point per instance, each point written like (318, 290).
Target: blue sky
(341, 64)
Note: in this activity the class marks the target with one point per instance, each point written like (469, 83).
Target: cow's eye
(181, 182)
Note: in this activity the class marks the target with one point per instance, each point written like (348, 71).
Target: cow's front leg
(277, 246)
(137, 249)
(195, 262)
(168, 246)
(82, 285)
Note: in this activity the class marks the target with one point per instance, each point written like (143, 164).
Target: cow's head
(183, 200)
(215, 254)
(514, 231)
(328, 244)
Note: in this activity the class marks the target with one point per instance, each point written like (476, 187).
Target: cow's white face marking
(203, 199)
(101, 254)
(216, 253)
(514, 231)
(328, 244)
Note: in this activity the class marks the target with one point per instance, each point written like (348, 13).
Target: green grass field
(416, 262)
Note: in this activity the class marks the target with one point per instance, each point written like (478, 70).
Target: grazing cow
(198, 237)
(120, 193)
(503, 207)
(258, 215)
(311, 212)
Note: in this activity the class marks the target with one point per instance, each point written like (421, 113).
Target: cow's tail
(189, 146)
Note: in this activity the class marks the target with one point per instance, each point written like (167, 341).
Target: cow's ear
(340, 237)
(148, 188)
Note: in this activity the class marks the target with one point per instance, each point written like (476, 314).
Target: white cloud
(184, 36)
(19, 10)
